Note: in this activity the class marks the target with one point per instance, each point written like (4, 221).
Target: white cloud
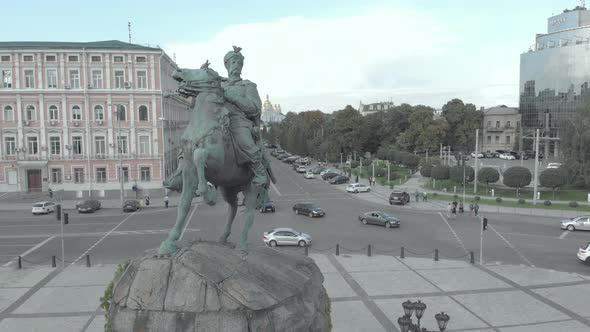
(303, 63)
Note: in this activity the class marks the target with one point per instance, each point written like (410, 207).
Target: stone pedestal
(210, 287)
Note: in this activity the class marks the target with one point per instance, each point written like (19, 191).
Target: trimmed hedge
(547, 203)
(573, 204)
(499, 199)
(521, 201)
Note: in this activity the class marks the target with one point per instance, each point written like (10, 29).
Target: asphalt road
(110, 236)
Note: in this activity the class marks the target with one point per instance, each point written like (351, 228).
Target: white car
(584, 252)
(507, 156)
(327, 171)
(554, 165)
(301, 169)
(479, 155)
(309, 175)
(43, 208)
(357, 188)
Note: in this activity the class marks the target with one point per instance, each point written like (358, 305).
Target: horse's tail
(174, 182)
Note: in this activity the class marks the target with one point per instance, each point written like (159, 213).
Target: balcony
(494, 129)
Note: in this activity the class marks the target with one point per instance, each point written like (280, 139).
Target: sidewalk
(366, 295)
(26, 204)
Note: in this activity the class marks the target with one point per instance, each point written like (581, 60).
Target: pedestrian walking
(449, 210)
(471, 208)
(476, 208)
(147, 200)
(417, 194)
(425, 197)
(461, 208)
(166, 200)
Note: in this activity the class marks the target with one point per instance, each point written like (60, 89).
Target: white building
(271, 114)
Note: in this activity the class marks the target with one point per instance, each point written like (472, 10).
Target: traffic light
(66, 218)
(485, 223)
(58, 211)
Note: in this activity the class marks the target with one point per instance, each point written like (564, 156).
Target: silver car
(379, 218)
(579, 222)
(286, 237)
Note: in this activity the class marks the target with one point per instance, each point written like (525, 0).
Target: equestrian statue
(221, 146)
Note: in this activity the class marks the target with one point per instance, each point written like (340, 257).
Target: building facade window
(72, 58)
(99, 145)
(497, 124)
(53, 113)
(144, 145)
(145, 174)
(125, 173)
(50, 58)
(101, 175)
(76, 113)
(30, 113)
(122, 144)
(54, 145)
(143, 113)
(51, 78)
(77, 145)
(10, 146)
(96, 58)
(121, 113)
(508, 124)
(32, 145)
(56, 175)
(140, 59)
(98, 113)
(489, 140)
(5, 58)
(8, 113)
(97, 79)
(119, 79)
(74, 79)
(29, 78)
(78, 175)
(142, 79)
(489, 124)
(117, 58)
(507, 139)
(27, 58)
(497, 140)
(7, 78)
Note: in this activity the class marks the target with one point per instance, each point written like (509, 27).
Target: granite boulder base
(211, 287)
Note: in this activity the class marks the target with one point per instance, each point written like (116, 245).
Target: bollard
(369, 250)
(53, 263)
(20, 262)
(436, 255)
(471, 257)
(87, 260)
(337, 249)
(306, 251)
(403, 254)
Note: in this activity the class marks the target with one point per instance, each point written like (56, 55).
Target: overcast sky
(312, 54)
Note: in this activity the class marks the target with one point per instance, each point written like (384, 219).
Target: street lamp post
(406, 324)
(163, 169)
(118, 112)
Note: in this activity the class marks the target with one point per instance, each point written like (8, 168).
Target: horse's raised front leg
(250, 200)
(189, 179)
(209, 194)
(231, 197)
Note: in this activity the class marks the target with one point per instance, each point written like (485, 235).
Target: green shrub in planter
(499, 199)
(477, 198)
(573, 204)
(547, 203)
(521, 201)
(456, 196)
(434, 194)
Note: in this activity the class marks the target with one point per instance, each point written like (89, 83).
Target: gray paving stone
(27, 277)
(336, 286)
(509, 308)
(82, 275)
(323, 263)
(529, 276)
(430, 263)
(574, 298)
(462, 279)
(569, 326)
(355, 263)
(460, 318)
(353, 316)
(393, 283)
(51, 324)
(9, 295)
(63, 299)
(97, 324)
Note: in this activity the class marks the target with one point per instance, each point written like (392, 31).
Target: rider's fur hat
(231, 54)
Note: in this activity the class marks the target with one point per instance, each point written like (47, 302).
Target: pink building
(59, 125)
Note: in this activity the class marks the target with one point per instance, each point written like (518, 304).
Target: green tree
(488, 175)
(349, 131)
(456, 174)
(440, 172)
(463, 119)
(575, 146)
(517, 177)
(426, 170)
(424, 132)
(552, 178)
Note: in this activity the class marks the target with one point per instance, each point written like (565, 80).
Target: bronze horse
(208, 155)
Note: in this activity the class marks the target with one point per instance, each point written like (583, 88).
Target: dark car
(131, 205)
(379, 218)
(308, 209)
(283, 156)
(317, 170)
(269, 206)
(329, 175)
(399, 196)
(88, 206)
(489, 154)
(531, 155)
(340, 179)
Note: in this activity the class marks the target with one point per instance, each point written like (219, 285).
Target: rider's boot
(260, 182)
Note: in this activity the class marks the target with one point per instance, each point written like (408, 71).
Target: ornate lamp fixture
(406, 324)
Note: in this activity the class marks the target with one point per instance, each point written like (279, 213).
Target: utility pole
(476, 164)
(340, 160)
(373, 163)
(426, 154)
(360, 168)
(536, 167)
(481, 241)
(441, 153)
(120, 152)
(388, 174)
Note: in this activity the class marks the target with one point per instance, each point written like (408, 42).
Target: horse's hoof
(167, 248)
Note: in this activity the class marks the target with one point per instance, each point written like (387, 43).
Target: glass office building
(554, 77)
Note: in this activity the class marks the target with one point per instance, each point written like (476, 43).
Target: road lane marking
(511, 246)
(39, 245)
(454, 233)
(275, 189)
(190, 217)
(564, 234)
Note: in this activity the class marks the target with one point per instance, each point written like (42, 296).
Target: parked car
(43, 208)
(489, 154)
(291, 159)
(131, 205)
(379, 218)
(579, 222)
(357, 188)
(309, 209)
(340, 179)
(269, 206)
(554, 165)
(479, 155)
(507, 156)
(584, 252)
(286, 237)
(88, 206)
(309, 175)
(301, 169)
(327, 170)
(329, 176)
(399, 196)
(318, 170)
(531, 154)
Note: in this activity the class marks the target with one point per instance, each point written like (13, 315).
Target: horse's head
(194, 81)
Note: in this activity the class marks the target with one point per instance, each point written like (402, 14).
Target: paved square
(529, 276)
(393, 283)
(52, 324)
(462, 279)
(509, 308)
(336, 286)
(569, 326)
(84, 276)
(574, 298)
(353, 316)
(353, 263)
(63, 299)
(9, 295)
(97, 324)
(27, 277)
(323, 263)
(430, 263)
